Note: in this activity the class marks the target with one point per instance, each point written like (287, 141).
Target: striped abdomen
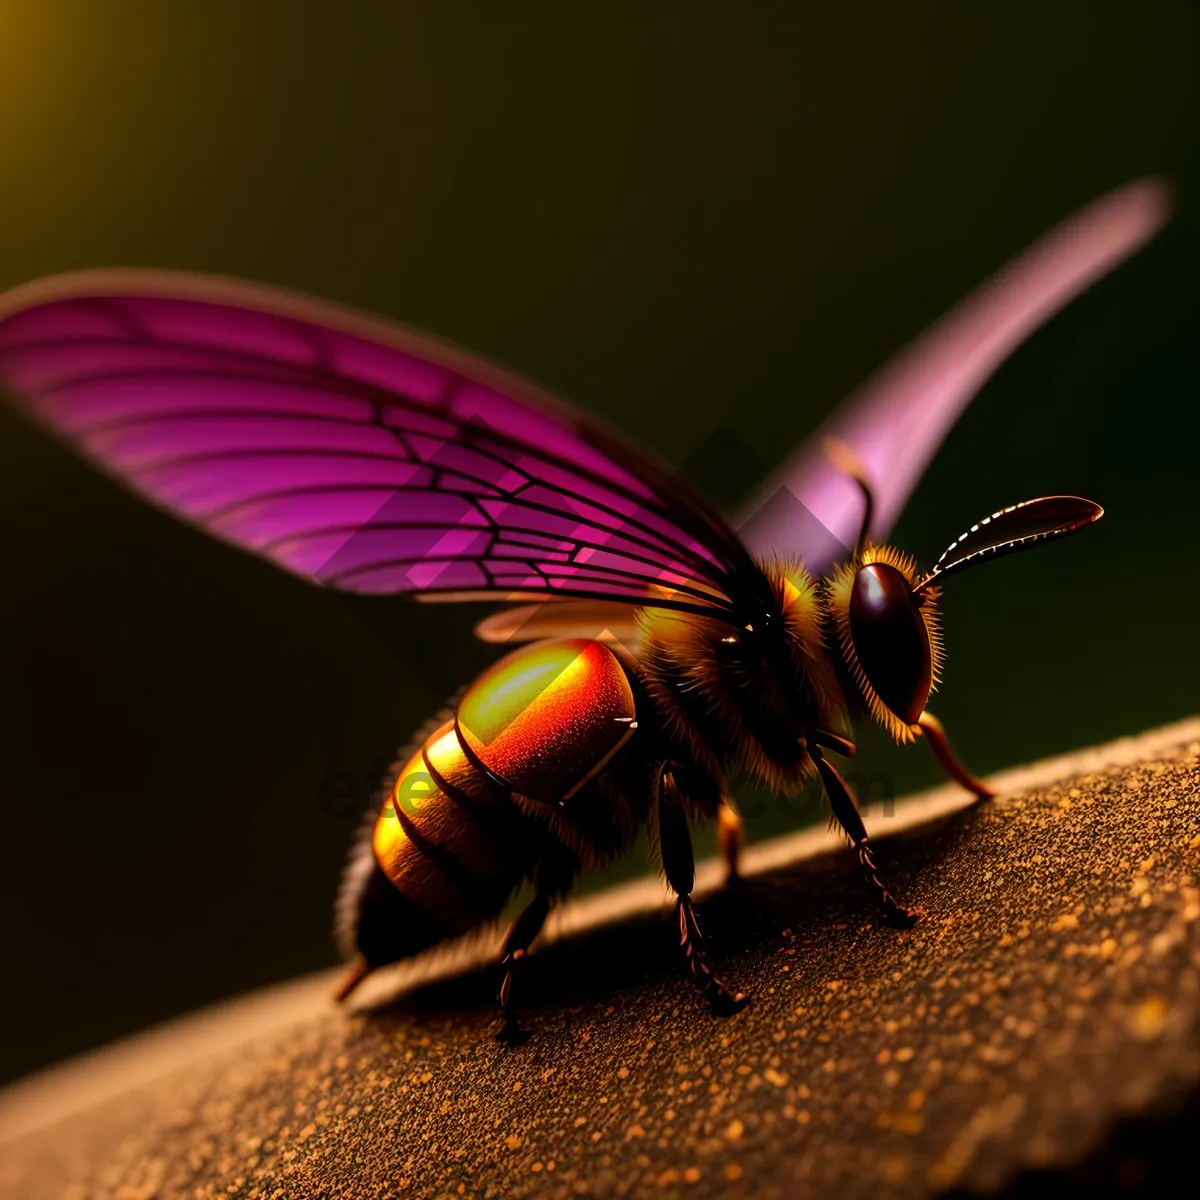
(511, 783)
(450, 848)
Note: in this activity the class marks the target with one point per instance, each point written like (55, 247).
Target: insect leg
(679, 865)
(935, 735)
(355, 973)
(520, 937)
(731, 837)
(845, 810)
(833, 741)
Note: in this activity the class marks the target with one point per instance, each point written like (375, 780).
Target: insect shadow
(621, 964)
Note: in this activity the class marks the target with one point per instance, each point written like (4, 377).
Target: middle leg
(679, 866)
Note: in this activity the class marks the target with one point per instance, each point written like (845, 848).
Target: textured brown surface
(1052, 984)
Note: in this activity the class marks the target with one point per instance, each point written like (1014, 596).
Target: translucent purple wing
(350, 451)
(895, 424)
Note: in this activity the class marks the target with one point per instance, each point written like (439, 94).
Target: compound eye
(891, 639)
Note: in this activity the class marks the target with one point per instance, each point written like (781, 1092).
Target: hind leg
(552, 879)
(520, 937)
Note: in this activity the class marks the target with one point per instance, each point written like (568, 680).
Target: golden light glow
(543, 717)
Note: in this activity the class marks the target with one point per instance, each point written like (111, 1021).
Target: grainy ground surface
(1039, 1027)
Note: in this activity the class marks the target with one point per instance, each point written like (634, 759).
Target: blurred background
(706, 222)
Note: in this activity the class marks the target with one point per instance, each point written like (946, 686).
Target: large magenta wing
(351, 451)
(810, 510)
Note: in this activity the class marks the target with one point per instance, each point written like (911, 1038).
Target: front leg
(679, 866)
(935, 735)
(845, 810)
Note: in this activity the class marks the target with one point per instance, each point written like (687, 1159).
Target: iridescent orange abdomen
(547, 717)
(468, 812)
(445, 836)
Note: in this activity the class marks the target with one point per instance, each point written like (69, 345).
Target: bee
(658, 646)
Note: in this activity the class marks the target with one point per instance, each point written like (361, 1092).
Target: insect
(657, 646)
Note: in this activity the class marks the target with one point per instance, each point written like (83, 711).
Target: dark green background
(689, 217)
